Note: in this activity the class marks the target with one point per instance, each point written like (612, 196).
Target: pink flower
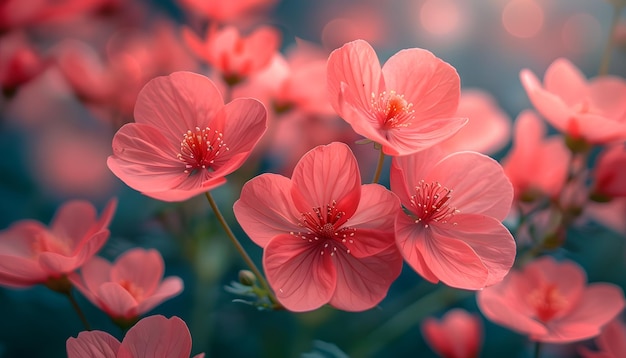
(488, 129)
(326, 237)
(610, 173)
(535, 165)
(31, 253)
(550, 302)
(457, 335)
(128, 288)
(236, 57)
(594, 111)
(154, 336)
(185, 140)
(451, 230)
(19, 62)
(612, 341)
(407, 106)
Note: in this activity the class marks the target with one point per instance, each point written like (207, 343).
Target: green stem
(80, 313)
(402, 321)
(379, 166)
(608, 47)
(537, 349)
(240, 249)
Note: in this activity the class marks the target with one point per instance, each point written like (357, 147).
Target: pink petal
(566, 81)
(116, 301)
(408, 170)
(93, 274)
(421, 135)
(324, 175)
(262, 223)
(145, 160)
(19, 272)
(157, 337)
(72, 221)
(56, 263)
(491, 242)
(548, 104)
(568, 277)
(245, 122)
(142, 268)
(430, 84)
(302, 278)
(612, 338)
(177, 103)
(458, 334)
(21, 239)
(407, 233)
(363, 282)
(608, 93)
(478, 182)
(599, 304)
(189, 191)
(92, 344)
(170, 287)
(374, 221)
(356, 65)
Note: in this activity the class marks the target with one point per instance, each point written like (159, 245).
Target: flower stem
(80, 313)
(608, 47)
(379, 166)
(537, 350)
(241, 250)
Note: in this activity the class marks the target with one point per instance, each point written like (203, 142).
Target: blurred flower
(488, 129)
(536, 166)
(610, 173)
(593, 111)
(450, 229)
(407, 106)
(457, 335)
(31, 253)
(19, 62)
(234, 56)
(185, 140)
(612, 342)
(154, 336)
(326, 238)
(225, 11)
(128, 288)
(550, 302)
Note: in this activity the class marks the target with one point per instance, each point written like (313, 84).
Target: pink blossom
(551, 302)
(326, 237)
(128, 288)
(610, 173)
(594, 110)
(154, 336)
(406, 106)
(234, 55)
(612, 341)
(451, 230)
(457, 335)
(19, 62)
(488, 129)
(31, 253)
(536, 165)
(184, 140)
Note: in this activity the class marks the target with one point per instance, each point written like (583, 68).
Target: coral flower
(154, 336)
(610, 173)
(30, 253)
(326, 237)
(128, 288)
(451, 230)
(406, 106)
(612, 341)
(550, 302)
(457, 335)
(235, 56)
(536, 165)
(593, 111)
(185, 140)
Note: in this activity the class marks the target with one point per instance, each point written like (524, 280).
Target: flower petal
(157, 337)
(170, 287)
(116, 301)
(407, 232)
(302, 278)
(408, 170)
(566, 81)
(93, 344)
(421, 135)
(143, 268)
(56, 263)
(93, 274)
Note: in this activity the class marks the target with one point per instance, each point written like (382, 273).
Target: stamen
(199, 148)
(431, 202)
(392, 110)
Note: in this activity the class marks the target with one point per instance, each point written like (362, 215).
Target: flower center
(324, 228)
(133, 289)
(431, 202)
(199, 149)
(547, 301)
(392, 110)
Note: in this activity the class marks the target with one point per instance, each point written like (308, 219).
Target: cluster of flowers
(327, 238)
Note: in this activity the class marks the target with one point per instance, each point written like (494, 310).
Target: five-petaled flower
(406, 106)
(326, 237)
(185, 140)
(450, 229)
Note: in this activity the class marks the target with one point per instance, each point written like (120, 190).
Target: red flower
(185, 140)
(406, 106)
(327, 238)
(550, 302)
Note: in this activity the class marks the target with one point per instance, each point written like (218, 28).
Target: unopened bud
(247, 278)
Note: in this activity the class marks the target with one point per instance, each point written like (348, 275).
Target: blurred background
(70, 71)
